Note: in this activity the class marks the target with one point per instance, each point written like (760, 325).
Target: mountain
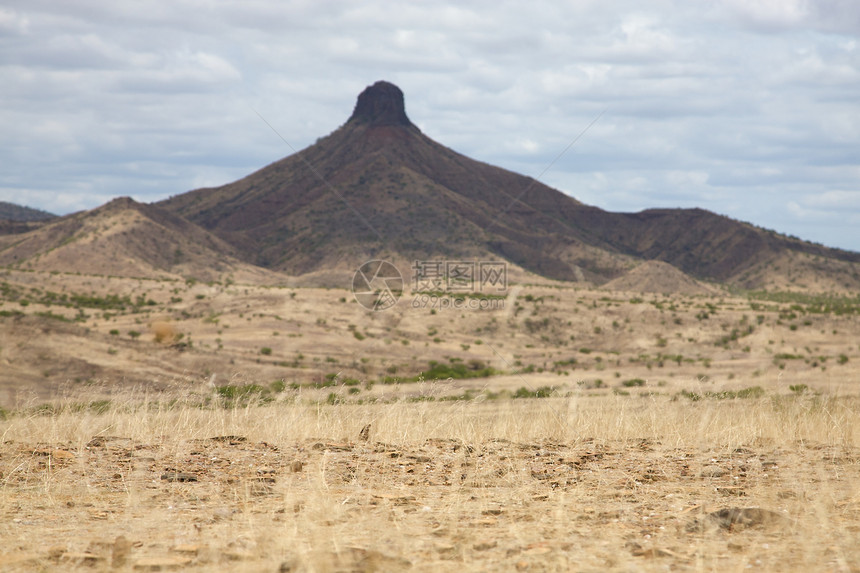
(377, 187)
(13, 212)
(658, 277)
(129, 239)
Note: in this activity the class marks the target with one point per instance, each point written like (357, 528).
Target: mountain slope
(125, 238)
(377, 187)
(13, 212)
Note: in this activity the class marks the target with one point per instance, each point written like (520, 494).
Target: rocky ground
(710, 486)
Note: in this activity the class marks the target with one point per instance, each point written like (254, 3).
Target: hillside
(128, 239)
(13, 212)
(658, 277)
(379, 187)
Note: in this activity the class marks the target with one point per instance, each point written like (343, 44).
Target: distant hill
(658, 277)
(128, 239)
(13, 212)
(378, 187)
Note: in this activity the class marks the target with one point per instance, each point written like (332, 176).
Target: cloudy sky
(748, 108)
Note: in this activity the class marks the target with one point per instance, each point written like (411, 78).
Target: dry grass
(682, 433)
(577, 483)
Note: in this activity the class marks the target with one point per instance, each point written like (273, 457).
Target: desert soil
(581, 483)
(171, 425)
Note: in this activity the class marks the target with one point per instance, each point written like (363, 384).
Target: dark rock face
(381, 105)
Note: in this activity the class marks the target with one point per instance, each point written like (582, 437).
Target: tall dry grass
(730, 423)
(354, 508)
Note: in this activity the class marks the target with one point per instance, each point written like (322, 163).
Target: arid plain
(182, 425)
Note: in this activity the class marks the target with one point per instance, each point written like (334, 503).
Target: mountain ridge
(385, 188)
(21, 213)
(377, 187)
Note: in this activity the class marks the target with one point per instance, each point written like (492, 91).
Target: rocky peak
(380, 105)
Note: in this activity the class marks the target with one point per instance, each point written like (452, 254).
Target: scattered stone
(178, 476)
(332, 447)
(101, 441)
(232, 440)
(713, 472)
(296, 466)
(739, 518)
(57, 456)
(395, 498)
(484, 545)
(188, 548)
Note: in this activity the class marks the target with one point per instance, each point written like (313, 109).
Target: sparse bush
(542, 392)
(278, 386)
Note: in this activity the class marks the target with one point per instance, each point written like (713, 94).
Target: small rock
(189, 548)
(178, 476)
(713, 472)
(56, 455)
(296, 466)
(738, 518)
(232, 440)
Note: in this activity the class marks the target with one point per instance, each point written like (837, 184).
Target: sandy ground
(559, 336)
